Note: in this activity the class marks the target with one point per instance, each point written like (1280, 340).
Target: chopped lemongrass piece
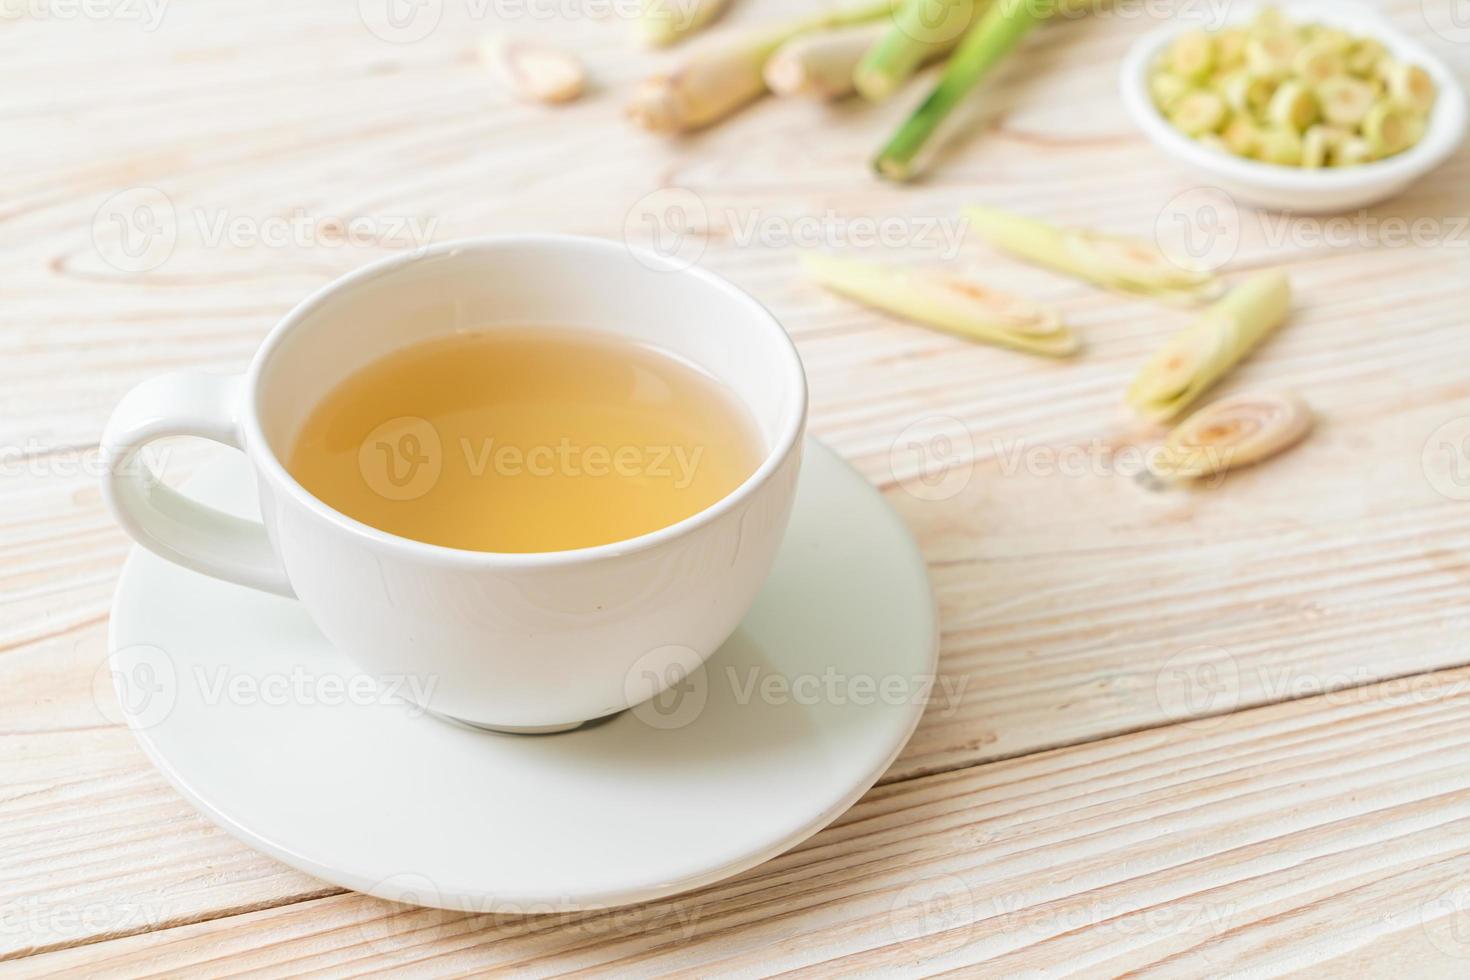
(662, 22)
(1345, 100)
(1281, 145)
(994, 36)
(950, 303)
(535, 72)
(1198, 113)
(1236, 431)
(1317, 145)
(1126, 265)
(1271, 56)
(1192, 55)
(1230, 48)
(1247, 94)
(820, 65)
(919, 32)
(1319, 61)
(1389, 129)
(1293, 106)
(1168, 89)
(1351, 152)
(1364, 56)
(1242, 136)
(718, 80)
(1411, 86)
(1203, 353)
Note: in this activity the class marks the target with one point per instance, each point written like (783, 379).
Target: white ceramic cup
(521, 642)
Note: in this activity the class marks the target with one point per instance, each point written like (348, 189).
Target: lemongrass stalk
(1205, 352)
(1236, 431)
(662, 22)
(950, 303)
(1125, 265)
(997, 33)
(535, 72)
(720, 79)
(820, 65)
(921, 30)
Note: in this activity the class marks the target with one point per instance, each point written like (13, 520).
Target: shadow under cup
(528, 641)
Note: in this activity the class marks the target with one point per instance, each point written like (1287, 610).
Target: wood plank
(1075, 607)
(1280, 839)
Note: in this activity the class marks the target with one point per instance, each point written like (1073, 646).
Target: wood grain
(1282, 839)
(1077, 605)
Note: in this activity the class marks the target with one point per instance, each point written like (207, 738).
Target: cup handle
(163, 520)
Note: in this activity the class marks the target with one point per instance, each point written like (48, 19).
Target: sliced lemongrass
(1389, 129)
(1242, 136)
(1198, 113)
(1230, 48)
(1192, 55)
(662, 22)
(821, 65)
(1319, 60)
(918, 32)
(1271, 56)
(1280, 145)
(950, 303)
(1168, 89)
(1411, 86)
(1203, 353)
(1317, 145)
(1293, 106)
(1126, 265)
(1364, 56)
(535, 72)
(1345, 100)
(1236, 431)
(718, 80)
(1351, 152)
(1246, 93)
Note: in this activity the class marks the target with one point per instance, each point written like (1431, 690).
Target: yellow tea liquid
(524, 440)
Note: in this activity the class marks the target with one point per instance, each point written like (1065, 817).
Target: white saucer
(275, 737)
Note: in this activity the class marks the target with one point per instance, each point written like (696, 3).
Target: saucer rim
(472, 899)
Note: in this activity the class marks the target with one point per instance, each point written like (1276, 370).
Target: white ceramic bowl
(1294, 188)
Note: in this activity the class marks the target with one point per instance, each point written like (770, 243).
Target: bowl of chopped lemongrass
(1314, 105)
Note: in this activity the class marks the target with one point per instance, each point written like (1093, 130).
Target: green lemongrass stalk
(1204, 352)
(998, 32)
(820, 65)
(955, 305)
(662, 22)
(1126, 265)
(716, 81)
(1238, 430)
(915, 36)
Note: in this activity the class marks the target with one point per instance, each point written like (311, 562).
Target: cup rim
(263, 455)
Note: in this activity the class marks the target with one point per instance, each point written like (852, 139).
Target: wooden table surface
(1199, 731)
